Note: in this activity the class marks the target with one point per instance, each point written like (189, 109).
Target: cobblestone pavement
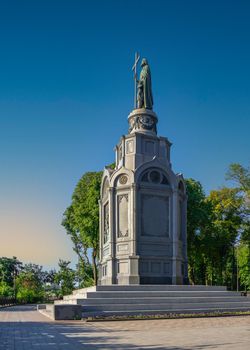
(23, 328)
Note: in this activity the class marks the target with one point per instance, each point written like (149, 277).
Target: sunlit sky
(66, 89)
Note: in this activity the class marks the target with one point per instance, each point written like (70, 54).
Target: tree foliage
(9, 269)
(215, 225)
(29, 284)
(243, 255)
(226, 221)
(65, 277)
(241, 177)
(81, 219)
(198, 214)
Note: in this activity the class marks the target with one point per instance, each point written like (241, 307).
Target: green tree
(65, 277)
(9, 269)
(198, 213)
(29, 284)
(85, 276)
(6, 290)
(243, 255)
(81, 219)
(226, 221)
(241, 177)
(37, 271)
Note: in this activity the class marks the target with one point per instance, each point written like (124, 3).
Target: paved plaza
(23, 328)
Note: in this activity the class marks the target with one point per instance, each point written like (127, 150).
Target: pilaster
(174, 235)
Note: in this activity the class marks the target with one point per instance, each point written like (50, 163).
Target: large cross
(134, 68)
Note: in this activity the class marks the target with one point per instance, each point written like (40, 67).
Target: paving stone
(23, 328)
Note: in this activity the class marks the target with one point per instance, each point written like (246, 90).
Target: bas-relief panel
(167, 268)
(122, 215)
(130, 146)
(105, 188)
(163, 150)
(122, 249)
(149, 147)
(150, 249)
(122, 267)
(180, 219)
(155, 215)
(180, 248)
(106, 223)
(105, 251)
(144, 266)
(155, 267)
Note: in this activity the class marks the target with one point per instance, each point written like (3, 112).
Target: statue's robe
(145, 80)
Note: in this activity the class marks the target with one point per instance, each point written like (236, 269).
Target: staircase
(151, 300)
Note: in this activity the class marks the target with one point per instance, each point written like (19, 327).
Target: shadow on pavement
(42, 335)
(33, 332)
(22, 308)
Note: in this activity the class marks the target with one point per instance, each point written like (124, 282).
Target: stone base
(155, 280)
(61, 311)
(128, 280)
(143, 120)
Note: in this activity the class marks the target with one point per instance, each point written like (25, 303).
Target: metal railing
(7, 301)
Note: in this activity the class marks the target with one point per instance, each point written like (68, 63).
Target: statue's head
(144, 62)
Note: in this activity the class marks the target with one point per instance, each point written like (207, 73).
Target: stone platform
(146, 300)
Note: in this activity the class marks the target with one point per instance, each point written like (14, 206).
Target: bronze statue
(143, 87)
(144, 92)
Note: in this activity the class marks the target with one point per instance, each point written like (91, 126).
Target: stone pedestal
(142, 210)
(143, 120)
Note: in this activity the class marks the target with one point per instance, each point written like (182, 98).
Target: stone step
(84, 290)
(162, 287)
(147, 299)
(166, 306)
(153, 294)
(132, 297)
(144, 287)
(161, 300)
(72, 301)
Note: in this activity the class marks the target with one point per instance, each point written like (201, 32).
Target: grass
(168, 316)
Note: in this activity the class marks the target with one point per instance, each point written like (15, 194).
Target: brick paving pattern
(23, 328)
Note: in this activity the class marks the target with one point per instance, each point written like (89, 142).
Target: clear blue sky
(66, 89)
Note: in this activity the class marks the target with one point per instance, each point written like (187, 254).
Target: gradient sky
(66, 89)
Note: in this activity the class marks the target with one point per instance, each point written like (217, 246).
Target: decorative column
(175, 236)
(112, 235)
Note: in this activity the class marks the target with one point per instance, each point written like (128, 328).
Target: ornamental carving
(106, 223)
(146, 122)
(123, 234)
(120, 198)
(123, 179)
(122, 212)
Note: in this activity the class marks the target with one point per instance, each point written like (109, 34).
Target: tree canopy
(81, 219)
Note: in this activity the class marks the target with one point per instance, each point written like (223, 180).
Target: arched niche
(181, 187)
(154, 176)
(122, 180)
(105, 187)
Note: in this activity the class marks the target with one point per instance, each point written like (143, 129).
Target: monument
(142, 203)
(143, 246)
